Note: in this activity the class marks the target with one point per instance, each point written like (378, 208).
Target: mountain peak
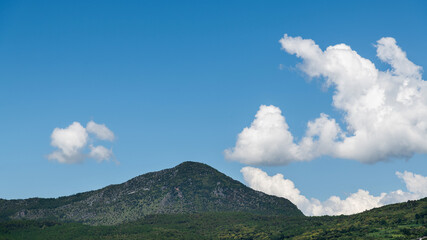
(194, 165)
(190, 167)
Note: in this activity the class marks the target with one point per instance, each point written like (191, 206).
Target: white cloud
(100, 130)
(385, 112)
(72, 143)
(269, 141)
(100, 153)
(414, 183)
(357, 202)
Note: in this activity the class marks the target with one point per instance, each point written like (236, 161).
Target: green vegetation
(399, 221)
(195, 201)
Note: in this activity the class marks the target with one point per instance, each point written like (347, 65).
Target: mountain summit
(190, 187)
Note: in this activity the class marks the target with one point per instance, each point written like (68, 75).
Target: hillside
(187, 188)
(398, 221)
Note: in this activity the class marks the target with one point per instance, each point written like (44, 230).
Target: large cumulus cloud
(356, 202)
(385, 112)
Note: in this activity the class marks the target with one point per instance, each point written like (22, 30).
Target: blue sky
(178, 81)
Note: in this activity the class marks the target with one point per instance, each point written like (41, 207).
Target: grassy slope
(398, 221)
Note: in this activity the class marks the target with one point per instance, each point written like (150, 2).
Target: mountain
(190, 187)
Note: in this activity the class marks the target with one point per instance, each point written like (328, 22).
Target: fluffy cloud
(72, 143)
(357, 202)
(385, 112)
(269, 141)
(414, 183)
(100, 131)
(100, 153)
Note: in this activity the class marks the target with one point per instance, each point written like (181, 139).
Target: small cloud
(414, 182)
(100, 153)
(357, 202)
(100, 130)
(72, 143)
